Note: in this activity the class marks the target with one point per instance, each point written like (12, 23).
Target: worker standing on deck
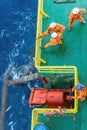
(53, 27)
(81, 92)
(56, 38)
(76, 14)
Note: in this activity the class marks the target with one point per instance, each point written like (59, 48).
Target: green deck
(74, 49)
(66, 122)
(72, 53)
(61, 122)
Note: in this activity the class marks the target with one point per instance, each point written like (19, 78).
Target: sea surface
(17, 44)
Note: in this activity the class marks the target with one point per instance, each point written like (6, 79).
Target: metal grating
(64, 1)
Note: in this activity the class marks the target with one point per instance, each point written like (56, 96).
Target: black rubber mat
(64, 1)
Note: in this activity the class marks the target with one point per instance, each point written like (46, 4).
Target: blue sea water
(17, 39)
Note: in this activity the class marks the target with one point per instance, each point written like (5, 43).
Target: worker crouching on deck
(81, 92)
(75, 15)
(53, 27)
(56, 38)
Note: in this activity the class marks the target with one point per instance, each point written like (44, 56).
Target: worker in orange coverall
(54, 40)
(76, 15)
(53, 27)
(81, 92)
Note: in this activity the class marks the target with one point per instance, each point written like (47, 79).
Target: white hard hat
(54, 35)
(52, 25)
(75, 10)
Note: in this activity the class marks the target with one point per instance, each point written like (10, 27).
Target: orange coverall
(54, 41)
(74, 17)
(61, 110)
(58, 29)
(81, 94)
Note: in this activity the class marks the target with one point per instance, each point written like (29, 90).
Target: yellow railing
(36, 112)
(57, 69)
(41, 13)
(39, 31)
(38, 59)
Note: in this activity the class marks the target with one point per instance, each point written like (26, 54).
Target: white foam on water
(23, 99)
(12, 127)
(2, 33)
(8, 108)
(36, 85)
(10, 123)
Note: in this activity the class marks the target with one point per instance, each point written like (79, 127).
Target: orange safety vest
(58, 28)
(75, 16)
(57, 39)
(81, 94)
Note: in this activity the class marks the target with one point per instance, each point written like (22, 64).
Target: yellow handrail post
(44, 14)
(74, 117)
(36, 123)
(40, 60)
(43, 61)
(53, 71)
